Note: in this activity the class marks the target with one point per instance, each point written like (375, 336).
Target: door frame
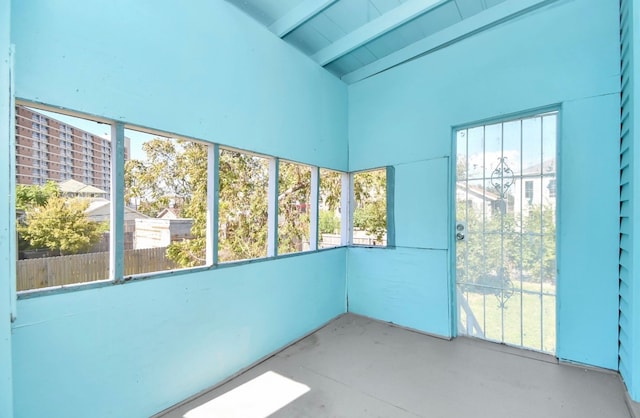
(452, 242)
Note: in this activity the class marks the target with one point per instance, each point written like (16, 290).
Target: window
(552, 188)
(62, 236)
(528, 190)
(165, 203)
(370, 213)
(165, 195)
(242, 225)
(330, 210)
(294, 207)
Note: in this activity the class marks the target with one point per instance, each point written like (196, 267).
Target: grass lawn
(535, 329)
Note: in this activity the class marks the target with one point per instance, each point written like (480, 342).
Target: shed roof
(76, 187)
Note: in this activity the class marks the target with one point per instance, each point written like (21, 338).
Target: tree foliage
(244, 180)
(28, 196)
(503, 245)
(60, 225)
(370, 190)
(175, 172)
(329, 223)
(170, 174)
(294, 203)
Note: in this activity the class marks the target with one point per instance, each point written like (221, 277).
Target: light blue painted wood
(346, 208)
(213, 197)
(225, 80)
(206, 71)
(313, 211)
(391, 206)
(299, 15)
(116, 214)
(421, 204)
(377, 27)
(131, 350)
(566, 53)
(456, 32)
(272, 207)
(629, 336)
(11, 198)
(401, 285)
(587, 245)
(210, 73)
(7, 218)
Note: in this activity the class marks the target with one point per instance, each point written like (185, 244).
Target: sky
(524, 143)
(104, 131)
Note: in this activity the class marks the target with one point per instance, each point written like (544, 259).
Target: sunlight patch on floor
(258, 398)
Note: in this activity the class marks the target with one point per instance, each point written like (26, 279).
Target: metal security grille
(506, 193)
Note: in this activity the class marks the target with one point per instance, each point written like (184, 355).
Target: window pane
(294, 222)
(370, 214)
(244, 181)
(329, 222)
(62, 199)
(165, 203)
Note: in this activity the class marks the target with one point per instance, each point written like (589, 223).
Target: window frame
(389, 199)
(115, 152)
(313, 211)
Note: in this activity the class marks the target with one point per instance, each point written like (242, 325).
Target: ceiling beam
(298, 15)
(377, 27)
(489, 18)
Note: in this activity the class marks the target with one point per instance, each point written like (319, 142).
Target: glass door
(506, 192)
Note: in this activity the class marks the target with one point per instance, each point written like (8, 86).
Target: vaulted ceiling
(355, 39)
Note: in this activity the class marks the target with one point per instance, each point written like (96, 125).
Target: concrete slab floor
(359, 367)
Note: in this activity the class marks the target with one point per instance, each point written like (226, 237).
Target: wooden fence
(55, 271)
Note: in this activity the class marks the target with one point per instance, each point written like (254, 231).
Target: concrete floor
(358, 367)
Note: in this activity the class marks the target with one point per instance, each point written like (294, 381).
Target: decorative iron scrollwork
(502, 177)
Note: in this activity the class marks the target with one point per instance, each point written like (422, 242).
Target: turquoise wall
(408, 284)
(629, 184)
(209, 72)
(6, 213)
(564, 54)
(206, 71)
(132, 350)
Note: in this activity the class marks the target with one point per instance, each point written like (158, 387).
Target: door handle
(461, 229)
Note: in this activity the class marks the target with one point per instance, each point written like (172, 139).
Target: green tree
(28, 196)
(175, 171)
(172, 170)
(61, 225)
(293, 207)
(243, 206)
(506, 245)
(329, 223)
(370, 214)
(539, 247)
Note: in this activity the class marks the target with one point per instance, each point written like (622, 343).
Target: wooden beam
(376, 28)
(347, 204)
(489, 18)
(10, 220)
(272, 207)
(314, 210)
(116, 217)
(298, 15)
(213, 197)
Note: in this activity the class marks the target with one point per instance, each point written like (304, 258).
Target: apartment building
(49, 149)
